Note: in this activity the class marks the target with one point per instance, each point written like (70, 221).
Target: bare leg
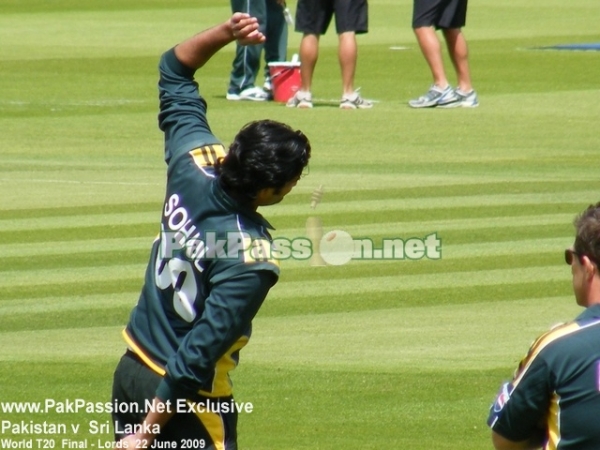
(459, 54)
(347, 54)
(309, 54)
(432, 51)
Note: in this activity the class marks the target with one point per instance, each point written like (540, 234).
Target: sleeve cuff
(167, 391)
(170, 60)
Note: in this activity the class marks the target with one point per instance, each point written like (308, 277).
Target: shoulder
(557, 342)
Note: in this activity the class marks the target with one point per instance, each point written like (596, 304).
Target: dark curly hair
(264, 154)
(587, 237)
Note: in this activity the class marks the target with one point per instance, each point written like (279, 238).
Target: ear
(261, 197)
(590, 268)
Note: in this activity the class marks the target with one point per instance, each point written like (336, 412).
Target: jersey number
(179, 275)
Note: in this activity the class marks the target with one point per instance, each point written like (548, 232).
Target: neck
(240, 199)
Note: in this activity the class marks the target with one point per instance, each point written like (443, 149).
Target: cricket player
(553, 400)
(210, 267)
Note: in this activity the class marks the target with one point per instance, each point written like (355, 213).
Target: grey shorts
(439, 13)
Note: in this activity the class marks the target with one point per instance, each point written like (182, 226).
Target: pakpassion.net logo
(335, 247)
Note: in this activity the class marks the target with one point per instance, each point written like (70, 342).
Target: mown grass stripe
(434, 338)
(417, 227)
(370, 269)
(535, 247)
(81, 221)
(78, 249)
(77, 343)
(65, 319)
(41, 312)
(73, 247)
(147, 230)
(401, 282)
(66, 303)
(357, 278)
(344, 207)
(31, 213)
(445, 338)
(344, 222)
(384, 230)
(17, 279)
(352, 217)
(449, 190)
(98, 260)
(14, 281)
(455, 258)
(432, 202)
(131, 285)
(423, 297)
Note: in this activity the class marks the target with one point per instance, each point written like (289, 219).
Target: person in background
(312, 20)
(247, 60)
(449, 16)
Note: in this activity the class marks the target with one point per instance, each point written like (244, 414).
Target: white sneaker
(461, 99)
(433, 97)
(300, 99)
(254, 94)
(355, 101)
(268, 86)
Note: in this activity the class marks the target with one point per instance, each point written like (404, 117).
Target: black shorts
(439, 13)
(135, 384)
(314, 16)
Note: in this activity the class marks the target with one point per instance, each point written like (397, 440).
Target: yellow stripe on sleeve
(540, 344)
(207, 155)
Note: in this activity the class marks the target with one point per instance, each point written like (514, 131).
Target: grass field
(369, 355)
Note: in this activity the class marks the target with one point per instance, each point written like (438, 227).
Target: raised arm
(197, 50)
(182, 115)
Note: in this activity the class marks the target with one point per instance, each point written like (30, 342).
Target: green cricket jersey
(210, 267)
(556, 387)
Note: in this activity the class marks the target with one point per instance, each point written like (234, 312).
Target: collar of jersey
(590, 313)
(229, 203)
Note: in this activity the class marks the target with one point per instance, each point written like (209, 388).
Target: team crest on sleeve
(502, 397)
(501, 400)
(208, 155)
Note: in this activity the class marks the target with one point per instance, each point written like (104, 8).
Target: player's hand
(244, 29)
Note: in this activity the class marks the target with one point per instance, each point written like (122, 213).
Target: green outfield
(368, 355)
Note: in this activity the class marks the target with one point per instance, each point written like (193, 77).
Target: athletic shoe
(268, 89)
(355, 101)
(254, 94)
(232, 96)
(461, 100)
(267, 86)
(300, 99)
(434, 96)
